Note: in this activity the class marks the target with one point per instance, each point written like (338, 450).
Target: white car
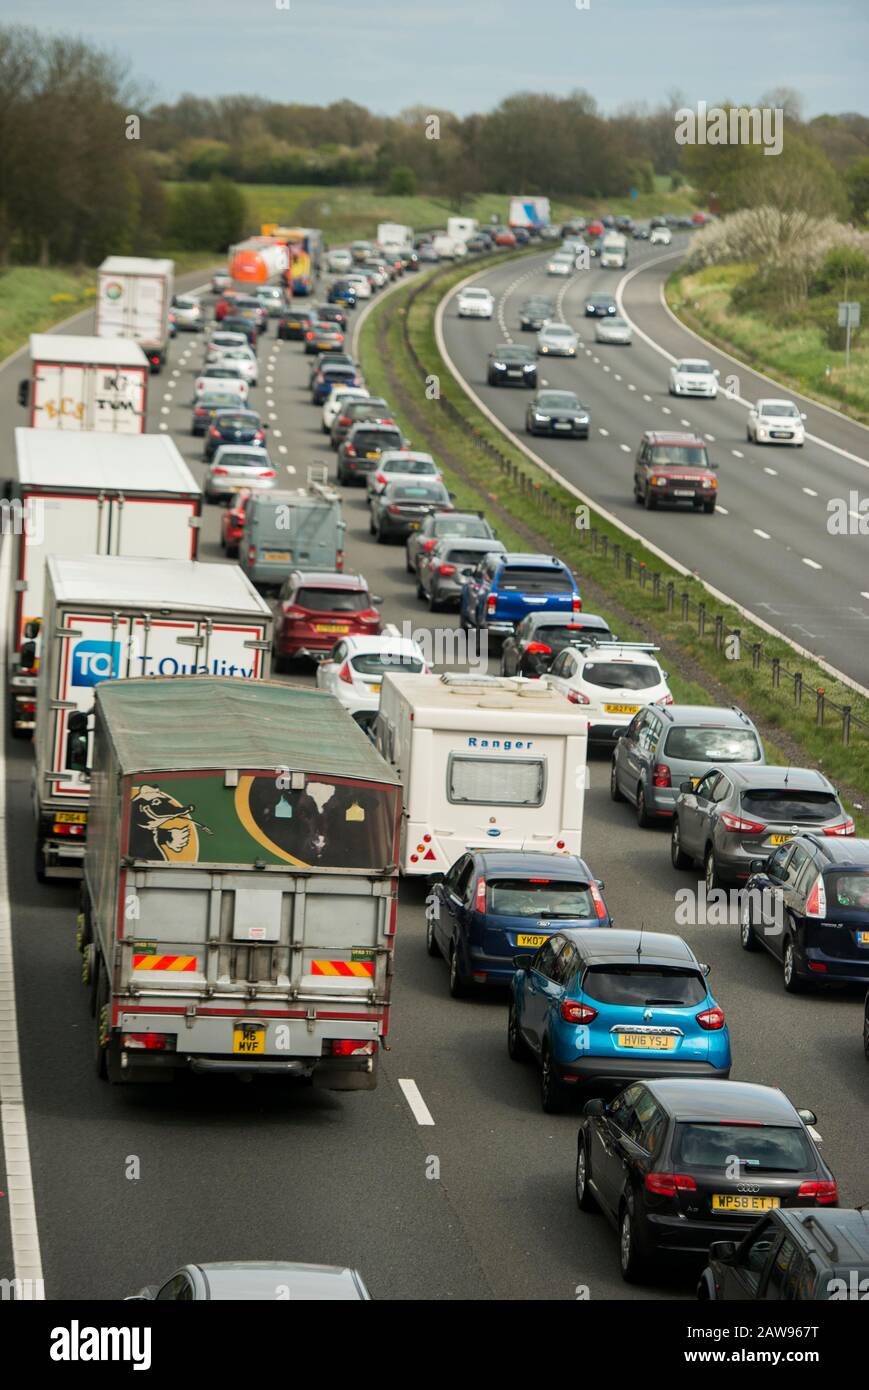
(400, 466)
(557, 340)
(609, 682)
(660, 236)
(334, 401)
(776, 422)
(221, 280)
(615, 330)
(220, 342)
(691, 376)
(227, 380)
(338, 261)
(188, 313)
(560, 265)
(475, 303)
(354, 669)
(361, 284)
(242, 358)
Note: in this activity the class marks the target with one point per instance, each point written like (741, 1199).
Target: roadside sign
(849, 315)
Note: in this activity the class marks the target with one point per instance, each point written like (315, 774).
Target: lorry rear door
(159, 527)
(58, 525)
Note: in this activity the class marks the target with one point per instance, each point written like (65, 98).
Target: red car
(232, 522)
(316, 608)
(504, 238)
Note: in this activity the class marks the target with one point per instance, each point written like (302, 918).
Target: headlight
(542, 419)
(529, 367)
(582, 419)
(500, 366)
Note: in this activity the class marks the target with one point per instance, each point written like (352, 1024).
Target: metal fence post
(671, 595)
(776, 672)
(846, 724)
(701, 618)
(798, 687)
(820, 695)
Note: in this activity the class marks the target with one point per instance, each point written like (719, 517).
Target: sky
(467, 55)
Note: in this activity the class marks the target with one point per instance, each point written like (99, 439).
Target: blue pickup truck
(504, 589)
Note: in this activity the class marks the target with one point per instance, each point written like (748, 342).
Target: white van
(487, 762)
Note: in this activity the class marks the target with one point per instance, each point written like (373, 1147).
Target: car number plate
(248, 1038)
(415, 525)
(331, 627)
(737, 1201)
(374, 454)
(683, 492)
(276, 556)
(621, 709)
(71, 817)
(563, 425)
(530, 939)
(779, 434)
(375, 689)
(658, 1042)
(780, 839)
(514, 371)
(863, 938)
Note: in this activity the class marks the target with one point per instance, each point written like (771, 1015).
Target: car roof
(532, 862)
(620, 654)
(330, 579)
(708, 716)
(584, 621)
(673, 437)
(697, 1098)
(775, 400)
(520, 557)
(244, 1281)
(845, 1230)
(250, 449)
(383, 640)
(840, 849)
(623, 947)
(376, 424)
(765, 775)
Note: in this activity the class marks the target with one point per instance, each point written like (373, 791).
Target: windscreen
(759, 1148)
(522, 897)
(456, 555)
(376, 439)
(782, 409)
(637, 986)
(712, 745)
(684, 455)
(496, 781)
(375, 663)
(785, 804)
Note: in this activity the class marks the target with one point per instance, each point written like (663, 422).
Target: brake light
(816, 904)
(345, 420)
(665, 700)
(711, 1019)
(344, 674)
(573, 1012)
(739, 823)
(214, 431)
(339, 561)
(661, 776)
(147, 1042)
(577, 603)
(668, 1184)
(251, 554)
(576, 697)
(428, 545)
(350, 1047)
(260, 435)
(845, 827)
(480, 895)
(599, 904)
(219, 468)
(491, 604)
(446, 570)
(394, 509)
(826, 1194)
(266, 473)
(538, 649)
(349, 450)
(309, 335)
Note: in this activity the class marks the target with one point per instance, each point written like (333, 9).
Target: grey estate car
(664, 745)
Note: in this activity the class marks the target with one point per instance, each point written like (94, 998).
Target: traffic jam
(332, 788)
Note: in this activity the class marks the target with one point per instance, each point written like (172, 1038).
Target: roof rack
(823, 1237)
(607, 642)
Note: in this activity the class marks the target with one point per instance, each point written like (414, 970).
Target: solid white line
(421, 1112)
(722, 510)
(625, 448)
(26, 1255)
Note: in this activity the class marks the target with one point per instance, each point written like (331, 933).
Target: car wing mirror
(24, 392)
(705, 970)
(808, 1117)
(523, 962)
(687, 787)
(376, 598)
(723, 1251)
(757, 866)
(593, 1108)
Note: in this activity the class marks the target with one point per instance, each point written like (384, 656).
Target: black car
(530, 649)
(331, 313)
(400, 507)
(678, 1164)
(206, 407)
(409, 260)
(511, 364)
(235, 323)
(600, 306)
(557, 413)
(439, 525)
(294, 324)
(478, 242)
(792, 1256)
(808, 904)
(533, 313)
(233, 426)
(352, 411)
(359, 454)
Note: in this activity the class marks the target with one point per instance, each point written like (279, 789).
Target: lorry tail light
(480, 895)
(816, 903)
(668, 1184)
(344, 674)
(826, 1194)
(148, 1042)
(845, 827)
(711, 1019)
(661, 776)
(350, 1047)
(597, 899)
(573, 1012)
(740, 824)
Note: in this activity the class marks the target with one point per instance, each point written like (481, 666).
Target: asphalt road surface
(480, 1204)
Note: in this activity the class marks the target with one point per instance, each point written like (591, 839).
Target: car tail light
(826, 1194)
(661, 776)
(576, 697)
(394, 509)
(349, 450)
(446, 570)
(379, 478)
(345, 420)
(251, 556)
(266, 473)
(214, 431)
(219, 468)
(668, 1184)
(147, 1042)
(491, 604)
(260, 435)
(538, 649)
(573, 1012)
(665, 700)
(480, 895)
(350, 1047)
(577, 604)
(428, 545)
(740, 824)
(344, 673)
(599, 904)
(339, 561)
(816, 903)
(845, 827)
(711, 1019)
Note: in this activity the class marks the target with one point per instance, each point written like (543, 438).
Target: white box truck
(112, 617)
(487, 762)
(448, 248)
(394, 237)
(79, 383)
(461, 228)
(529, 212)
(88, 494)
(613, 251)
(134, 294)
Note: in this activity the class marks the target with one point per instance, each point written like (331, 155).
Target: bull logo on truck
(162, 827)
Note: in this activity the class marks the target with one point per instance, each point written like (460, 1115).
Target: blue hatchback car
(493, 903)
(612, 1007)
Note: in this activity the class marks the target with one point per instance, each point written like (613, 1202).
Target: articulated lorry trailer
(238, 908)
(113, 617)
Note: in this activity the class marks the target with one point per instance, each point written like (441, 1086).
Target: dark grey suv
(666, 744)
(444, 569)
(735, 815)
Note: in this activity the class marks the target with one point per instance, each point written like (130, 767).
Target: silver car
(235, 466)
(188, 313)
(615, 330)
(273, 299)
(556, 340)
(403, 463)
(255, 1281)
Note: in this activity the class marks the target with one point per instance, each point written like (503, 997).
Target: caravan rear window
(488, 781)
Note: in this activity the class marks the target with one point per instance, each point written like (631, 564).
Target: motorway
(267, 1171)
(767, 546)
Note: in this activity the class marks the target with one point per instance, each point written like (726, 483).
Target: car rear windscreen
(848, 890)
(712, 745)
(332, 600)
(462, 526)
(759, 1148)
(455, 555)
(568, 632)
(522, 897)
(621, 675)
(377, 439)
(525, 580)
(415, 492)
(637, 986)
(258, 460)
(786, 804)
(375, 663)
(496, 781)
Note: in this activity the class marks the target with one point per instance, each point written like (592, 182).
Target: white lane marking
(276, 434)
(812, 564)
(606, 368)
(163, 425)
(618, 376)
(722, 510)
(686, 423)
(272, 414)
(164, 410)
(710, 437)
(596, 359)
(666, 409)
(282, 448)
(631, 386)
(602, 431)
(764, 535)
(290, 468)
(773, 472)
(646, 398)
(736, 454)
(625, 448)
(27, 1260)
(810, 492)
(419, 1109)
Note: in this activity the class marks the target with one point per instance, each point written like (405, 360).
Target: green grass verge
(387, 365)
(794, 354)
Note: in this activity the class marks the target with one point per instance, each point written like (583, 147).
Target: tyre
(790, 979)
(584, 1198)
(710, 871)
(433, 605)
(650, 502)
(631, 1258)
(747, 938)
(615, 793)
(420, 591)
(279, 663)
(678, 858)
(748, 435)
(551, 1085)
(517, 1048)
(381, 536)
(709, 508)
(431, 944)
(638, 498)
(458, 982)
(644, 820)
(866, 1033)
(407, 565)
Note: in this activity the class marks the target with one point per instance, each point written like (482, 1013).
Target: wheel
(709, 508)
(649, 501)
(644, 820)
(458, 982)
(381, 537)
(279, 663)
(748, 435)
(584, 1198)
(407, 565)
(678, 858)
(102, 1010)
(615, 793)
(431, 944)
(710, 871)
(371, 525)
(747, 938)
(631, 1259)
(517, 1048)
(638, 498)
(551, 1086)
(791, 980)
